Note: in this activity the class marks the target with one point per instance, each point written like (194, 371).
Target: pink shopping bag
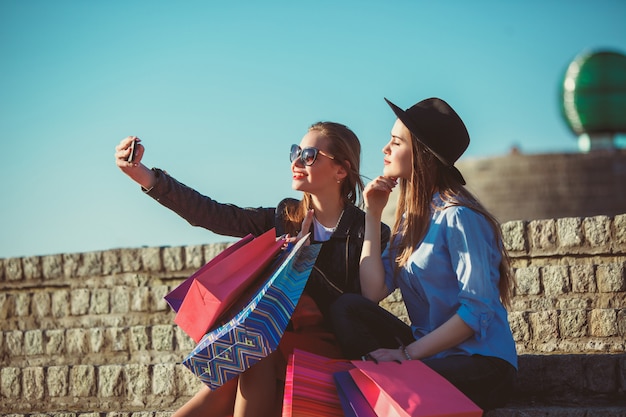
(309, 386)
(214, 289)
(410, 389)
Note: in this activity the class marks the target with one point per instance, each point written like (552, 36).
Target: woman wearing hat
(446, 256)
(325, 167)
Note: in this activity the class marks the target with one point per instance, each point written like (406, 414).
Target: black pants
(362, 326)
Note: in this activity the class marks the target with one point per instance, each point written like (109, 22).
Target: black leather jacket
(337, 267)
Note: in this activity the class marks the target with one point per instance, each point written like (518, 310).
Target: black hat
(437, 126)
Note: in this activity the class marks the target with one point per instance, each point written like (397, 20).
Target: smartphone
(131, 156)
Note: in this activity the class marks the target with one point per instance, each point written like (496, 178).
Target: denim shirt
(455, 269)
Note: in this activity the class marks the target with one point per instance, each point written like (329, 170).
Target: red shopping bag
(214, 289)
(309, 386)
(410, 389)
(175, 297)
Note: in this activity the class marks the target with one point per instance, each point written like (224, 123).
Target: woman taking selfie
(325, 168)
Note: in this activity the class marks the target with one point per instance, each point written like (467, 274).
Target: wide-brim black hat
(438, 127)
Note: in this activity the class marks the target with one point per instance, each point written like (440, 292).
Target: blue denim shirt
(455, 270)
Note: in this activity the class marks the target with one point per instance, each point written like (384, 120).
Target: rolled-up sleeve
(474, 252)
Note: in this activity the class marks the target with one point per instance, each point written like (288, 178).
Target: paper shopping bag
(175, 297)
(215, 289)
(252, 330)
(351, 398)
(309, 386)
(410, 389)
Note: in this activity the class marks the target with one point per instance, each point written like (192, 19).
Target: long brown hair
(344, 145)
(415, 204)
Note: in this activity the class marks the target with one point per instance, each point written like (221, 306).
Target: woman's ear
(342, 172)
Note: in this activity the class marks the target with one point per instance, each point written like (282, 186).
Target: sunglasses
(306, 155)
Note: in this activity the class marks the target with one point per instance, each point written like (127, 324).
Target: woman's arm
(372, 273)
(449, 334)
(137, 171)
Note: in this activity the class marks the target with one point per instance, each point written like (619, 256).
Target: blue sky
(219, 90)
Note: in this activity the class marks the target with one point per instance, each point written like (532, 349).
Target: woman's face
(323, 174)
(399, 153)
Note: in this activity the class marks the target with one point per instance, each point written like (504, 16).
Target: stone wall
(90, 332)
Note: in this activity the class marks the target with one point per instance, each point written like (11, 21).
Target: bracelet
(406, 353)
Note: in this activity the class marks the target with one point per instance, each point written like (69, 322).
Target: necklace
(330, 228)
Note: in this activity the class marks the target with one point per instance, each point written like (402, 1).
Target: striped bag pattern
(310, 389)
(255, 331)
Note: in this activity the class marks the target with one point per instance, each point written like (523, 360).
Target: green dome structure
(594, 98)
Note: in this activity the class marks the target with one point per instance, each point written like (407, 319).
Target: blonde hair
(414, 210)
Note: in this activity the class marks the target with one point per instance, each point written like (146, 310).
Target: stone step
(554, 380)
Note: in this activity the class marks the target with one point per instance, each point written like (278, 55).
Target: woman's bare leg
(211, 403)
(257, 391)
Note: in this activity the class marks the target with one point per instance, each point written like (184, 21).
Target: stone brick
(70, 264)
(32, 267)
(569, 232)
(13, 269)
(151, 259)
(163, 337)
(621, 324)
(211, 251)
(140, 299)
(14, 343)
(186, 382)
(138, 380)
(33, 382)
(10, 382)
(33, 342)
(40, 304)
(131, 260)
(619, 234)
(158, 292)
(52, 266)
(120, 300)
(90, 264)
(173, 259)
(603, 322)
(76, 342)
(111, 381)
(79, 303)
(519, 326)
(573, 323)
(555, 280)
(611, 277)
(583, 278)
(99, 303)
(82, 380)
(139, 339)
(514, 237)
(57, 381)
(542, 235)
(7, 305)
(111, 262)
(22, 304)
(183, 341)
(194, 256)
(597, 231)
(97, 339)
(527, 281)
(117, 338)
(60, 303)
(544, 325)
(162, 381)
(54, 342)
